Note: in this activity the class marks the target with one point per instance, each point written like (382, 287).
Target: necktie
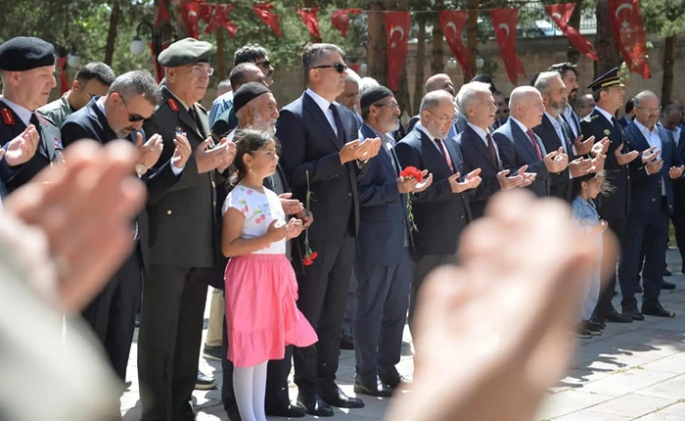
(566, 130)
(338, 124)
(534, 141)
(445, 154)
(491, 148)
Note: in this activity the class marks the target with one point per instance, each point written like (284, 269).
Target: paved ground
(634, 371)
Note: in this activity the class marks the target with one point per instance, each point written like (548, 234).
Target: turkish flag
(162, 13)
(341, 19)
(310, 20)
(453, 23)
(190, 13)
(629, 32)
(505, 22)
(561, 14)
(397, 27)
(263, 11)
(206, 12)
(220, 19)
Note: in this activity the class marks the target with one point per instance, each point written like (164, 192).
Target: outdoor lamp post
(159, 38)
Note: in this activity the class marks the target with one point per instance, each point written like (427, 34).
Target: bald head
(437, 113)
(244, 73)
(647, 108)
(585, 105)
(525, 103)
(440, 82)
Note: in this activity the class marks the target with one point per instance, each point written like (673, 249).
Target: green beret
(25, 53)
(184, 52)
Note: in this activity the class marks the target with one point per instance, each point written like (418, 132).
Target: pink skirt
(261, 312)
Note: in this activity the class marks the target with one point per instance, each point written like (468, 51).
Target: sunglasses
(133, 118)
(266, 64)
(339, 67)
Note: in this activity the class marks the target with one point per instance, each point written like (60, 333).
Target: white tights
(249, 386)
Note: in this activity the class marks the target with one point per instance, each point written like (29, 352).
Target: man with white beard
(256, 108)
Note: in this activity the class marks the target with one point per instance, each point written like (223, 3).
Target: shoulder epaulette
(172, 104)
(7, 116)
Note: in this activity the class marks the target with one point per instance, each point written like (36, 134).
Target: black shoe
(633, 313)
(615, 317)
(288, 411)
(654, 308)
(205, 382)
(346, 342)
(598, 323)
(314, 405)
(378, 389)
(127, 385)
(592, 328)
(583, 334)
(233, 415)
(638, 290)
(334, 396)
(667, 285)
(212, 353)
(394, 382)
(667, 272)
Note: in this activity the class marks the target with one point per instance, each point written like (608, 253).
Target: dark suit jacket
(440, 215)
(48, 150)
(310, 149)
(476, 155)
(646, 189)
(384, 218)
(183, 219)
(90, 123)
(679, 185)
(516, 150)
(562, 184)
(616, 204)
(624, 121)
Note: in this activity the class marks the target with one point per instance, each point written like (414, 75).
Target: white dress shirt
(606, 114)
(325, 106)
(653, 139)
(23, 113)
(572, 119)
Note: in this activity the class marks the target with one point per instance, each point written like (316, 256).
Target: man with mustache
(184, 242)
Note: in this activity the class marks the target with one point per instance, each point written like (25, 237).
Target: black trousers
(112, 314)
(169, 340)
(322, 297)
(678, 219)
(648, 233)
(604, 306)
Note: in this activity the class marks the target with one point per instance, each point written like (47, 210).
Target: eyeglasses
(392, 104)
(265, 64)
(444, 118)
(339, 67)
(200, 70)
(133, 118)
(649, 110)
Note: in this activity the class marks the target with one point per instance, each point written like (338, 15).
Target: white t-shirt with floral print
(259, 210)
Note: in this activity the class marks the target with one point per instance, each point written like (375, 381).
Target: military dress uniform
(184, 248)
(57, 110)
(17, 55)
(613, 207)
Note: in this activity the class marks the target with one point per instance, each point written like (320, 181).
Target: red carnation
(412, 172)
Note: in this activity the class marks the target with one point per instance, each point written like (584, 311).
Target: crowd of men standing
(343, 143)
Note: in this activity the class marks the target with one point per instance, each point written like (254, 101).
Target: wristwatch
(141, 169)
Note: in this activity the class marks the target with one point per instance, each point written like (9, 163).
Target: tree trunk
(221, 65)
(112, 32)
(419, 67)
(572, 54)
(472, 36)
(437, 52)
(669, 61)
(604, 41)
(311, 4)
(375, 48)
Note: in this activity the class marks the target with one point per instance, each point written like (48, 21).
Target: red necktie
(535, 143)
(491, 148)
(441, 144)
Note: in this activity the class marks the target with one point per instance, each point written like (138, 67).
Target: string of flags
(626, 21)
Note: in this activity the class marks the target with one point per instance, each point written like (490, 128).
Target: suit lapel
(430, 149)
(520, 136)
(183, 114)
(316, 114)
(474, 138)
(386, 156)
(453, 152)
(202, 123)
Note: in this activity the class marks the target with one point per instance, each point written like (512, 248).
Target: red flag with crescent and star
(221, 19)
(190, 14)
(629, 32)
(561, 15)
(264, 12)
(397, 27)
(310, 19)
(453, 23)
(505, 22)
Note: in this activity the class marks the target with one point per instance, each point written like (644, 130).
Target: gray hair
(434, 98)
(224, 84)
(468, 93)
(352, 76)
(637, 100)
(544, 81)
(137, 82)
(366, 83)
(313, 53)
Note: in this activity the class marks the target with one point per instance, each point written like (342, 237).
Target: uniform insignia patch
(7, 117)
(172, 104)
(607, 132)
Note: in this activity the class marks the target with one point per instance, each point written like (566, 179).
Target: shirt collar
(23, 113)
(322, 102)
(100, 102)
(424, 130)
(178, 99)
(644, 129)
(554, 121)
(479, 131)
(605, 113)
(521, 125)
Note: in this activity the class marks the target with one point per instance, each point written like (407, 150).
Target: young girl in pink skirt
(261, 289)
